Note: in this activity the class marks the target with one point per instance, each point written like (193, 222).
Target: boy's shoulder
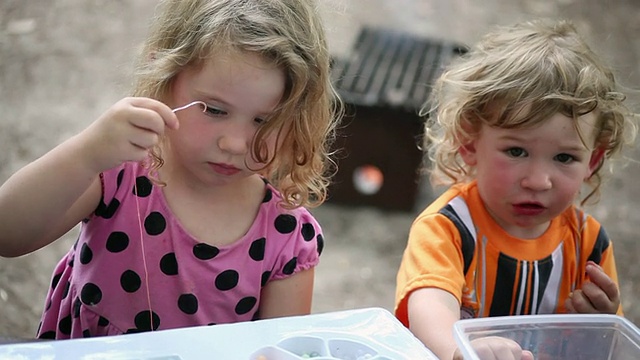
(465, 191)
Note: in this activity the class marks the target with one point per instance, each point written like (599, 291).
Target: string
(144, 257)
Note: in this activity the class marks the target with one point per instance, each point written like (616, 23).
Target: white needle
(204, 106)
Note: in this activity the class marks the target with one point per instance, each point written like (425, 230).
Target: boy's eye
(516, 152)
(565, 158)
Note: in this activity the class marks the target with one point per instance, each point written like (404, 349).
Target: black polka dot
(268, 195)
(85, 254)
(169, 264)
(119, 179)
(308, 232)
(65, 325)
(70, 263)
(144, 186)
(55, 280)
(130, 281)
(49, 303)
(256, 316)
(77, 304)
(144, 322)
(86, 333)
(245, 305)
(49, 335)
(320, 241)
(265, 277)
(205, 251)
(65, 292)
(155, 223)
(285, 223)
(107, 211)
(188, 303)
(90, 294)
(117, 241)
(227, 280)
(103, 321)
(290, 266)
(256, 251)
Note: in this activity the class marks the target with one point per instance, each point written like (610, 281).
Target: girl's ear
(468, 153)
(596, 161)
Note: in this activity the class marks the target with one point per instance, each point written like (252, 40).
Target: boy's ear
(596, 161)
(468, 153)
(467, 150)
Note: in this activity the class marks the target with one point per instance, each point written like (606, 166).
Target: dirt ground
(64, 62)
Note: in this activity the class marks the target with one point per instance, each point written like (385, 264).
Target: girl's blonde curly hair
(542, 66)
(288, 33)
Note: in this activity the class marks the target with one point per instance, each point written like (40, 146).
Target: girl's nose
(537, 178)
(236, 139)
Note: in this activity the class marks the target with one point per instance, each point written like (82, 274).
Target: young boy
(517, 126)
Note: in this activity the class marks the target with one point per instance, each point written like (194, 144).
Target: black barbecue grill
(384, 81)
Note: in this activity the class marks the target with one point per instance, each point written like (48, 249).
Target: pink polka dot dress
(99, 287)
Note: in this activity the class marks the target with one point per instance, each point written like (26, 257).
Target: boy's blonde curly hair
(288, 33)
(539, 65)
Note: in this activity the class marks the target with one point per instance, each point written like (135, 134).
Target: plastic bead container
(318, 348)
(360, 334)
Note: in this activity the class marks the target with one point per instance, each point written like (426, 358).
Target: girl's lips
(224, 169)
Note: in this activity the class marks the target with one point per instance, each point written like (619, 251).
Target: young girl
(191, 194)
(517, 126)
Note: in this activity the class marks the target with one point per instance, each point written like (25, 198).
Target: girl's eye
(516, 152)
(565, 158)
(211, 110)
(260, 121)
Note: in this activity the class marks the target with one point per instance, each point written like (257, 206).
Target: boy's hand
(126, 132)
(496, 348)
(600, 295)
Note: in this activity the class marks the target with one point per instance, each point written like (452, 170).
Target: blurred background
(64, 62)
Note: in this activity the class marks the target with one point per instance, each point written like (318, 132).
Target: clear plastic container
(558, 337)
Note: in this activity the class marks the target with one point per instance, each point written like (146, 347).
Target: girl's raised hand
(600, 295)
(126, 132)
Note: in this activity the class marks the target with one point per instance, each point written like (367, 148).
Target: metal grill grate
(391, 69)
(384, 80)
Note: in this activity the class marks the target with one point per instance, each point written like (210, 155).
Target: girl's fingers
(167, 116)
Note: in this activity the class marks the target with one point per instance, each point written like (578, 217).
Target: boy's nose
(537, 178)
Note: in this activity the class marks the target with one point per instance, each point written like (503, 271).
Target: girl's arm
(48, 197)
(288, 297)
(45, 199)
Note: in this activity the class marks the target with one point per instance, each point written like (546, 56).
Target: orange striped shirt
(455, 245)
